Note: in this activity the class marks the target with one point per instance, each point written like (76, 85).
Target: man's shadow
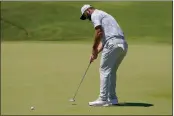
(133, 104)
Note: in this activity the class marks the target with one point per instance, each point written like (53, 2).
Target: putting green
(46, 75)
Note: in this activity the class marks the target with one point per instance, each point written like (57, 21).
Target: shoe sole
(105, 105)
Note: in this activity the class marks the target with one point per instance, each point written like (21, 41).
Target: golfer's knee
(104, 71)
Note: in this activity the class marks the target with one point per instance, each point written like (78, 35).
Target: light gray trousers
(112, 55)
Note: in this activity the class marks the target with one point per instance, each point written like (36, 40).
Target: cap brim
(83, 17)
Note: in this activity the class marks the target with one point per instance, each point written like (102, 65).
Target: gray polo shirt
(108, 23)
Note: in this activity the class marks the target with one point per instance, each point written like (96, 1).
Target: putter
(73, 99)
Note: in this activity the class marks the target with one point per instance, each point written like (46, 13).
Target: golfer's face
(87, 15)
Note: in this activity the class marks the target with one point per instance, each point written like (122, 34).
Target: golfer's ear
(99, 30)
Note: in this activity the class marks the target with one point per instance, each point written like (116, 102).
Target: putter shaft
(81, 82)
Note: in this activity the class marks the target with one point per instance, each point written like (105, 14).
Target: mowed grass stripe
(45, 75)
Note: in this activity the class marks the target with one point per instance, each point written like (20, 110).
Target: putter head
(72, 100)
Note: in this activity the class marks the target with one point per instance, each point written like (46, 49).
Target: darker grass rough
(59, 21)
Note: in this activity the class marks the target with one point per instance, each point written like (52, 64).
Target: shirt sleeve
(96, 20)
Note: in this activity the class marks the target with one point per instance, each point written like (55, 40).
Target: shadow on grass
(133, 104)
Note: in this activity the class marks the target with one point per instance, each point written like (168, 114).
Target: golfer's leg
(112, 84)
(121, 51)
(106, 64)
(112, 80)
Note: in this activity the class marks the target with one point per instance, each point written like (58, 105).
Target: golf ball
(32, 108)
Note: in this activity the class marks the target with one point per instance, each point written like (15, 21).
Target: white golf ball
(32, 108)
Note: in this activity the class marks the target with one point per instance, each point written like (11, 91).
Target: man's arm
(97, 40)
(100, 47)
(96, 48)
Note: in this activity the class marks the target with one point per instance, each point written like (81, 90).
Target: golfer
(108, 39)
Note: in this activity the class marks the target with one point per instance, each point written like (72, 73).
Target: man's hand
(94, 55)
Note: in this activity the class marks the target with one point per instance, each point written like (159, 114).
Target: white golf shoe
(99, 102)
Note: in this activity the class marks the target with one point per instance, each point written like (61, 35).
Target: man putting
(109, 38)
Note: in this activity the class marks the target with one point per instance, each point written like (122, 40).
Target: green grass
(45, 75)
(52, 21)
